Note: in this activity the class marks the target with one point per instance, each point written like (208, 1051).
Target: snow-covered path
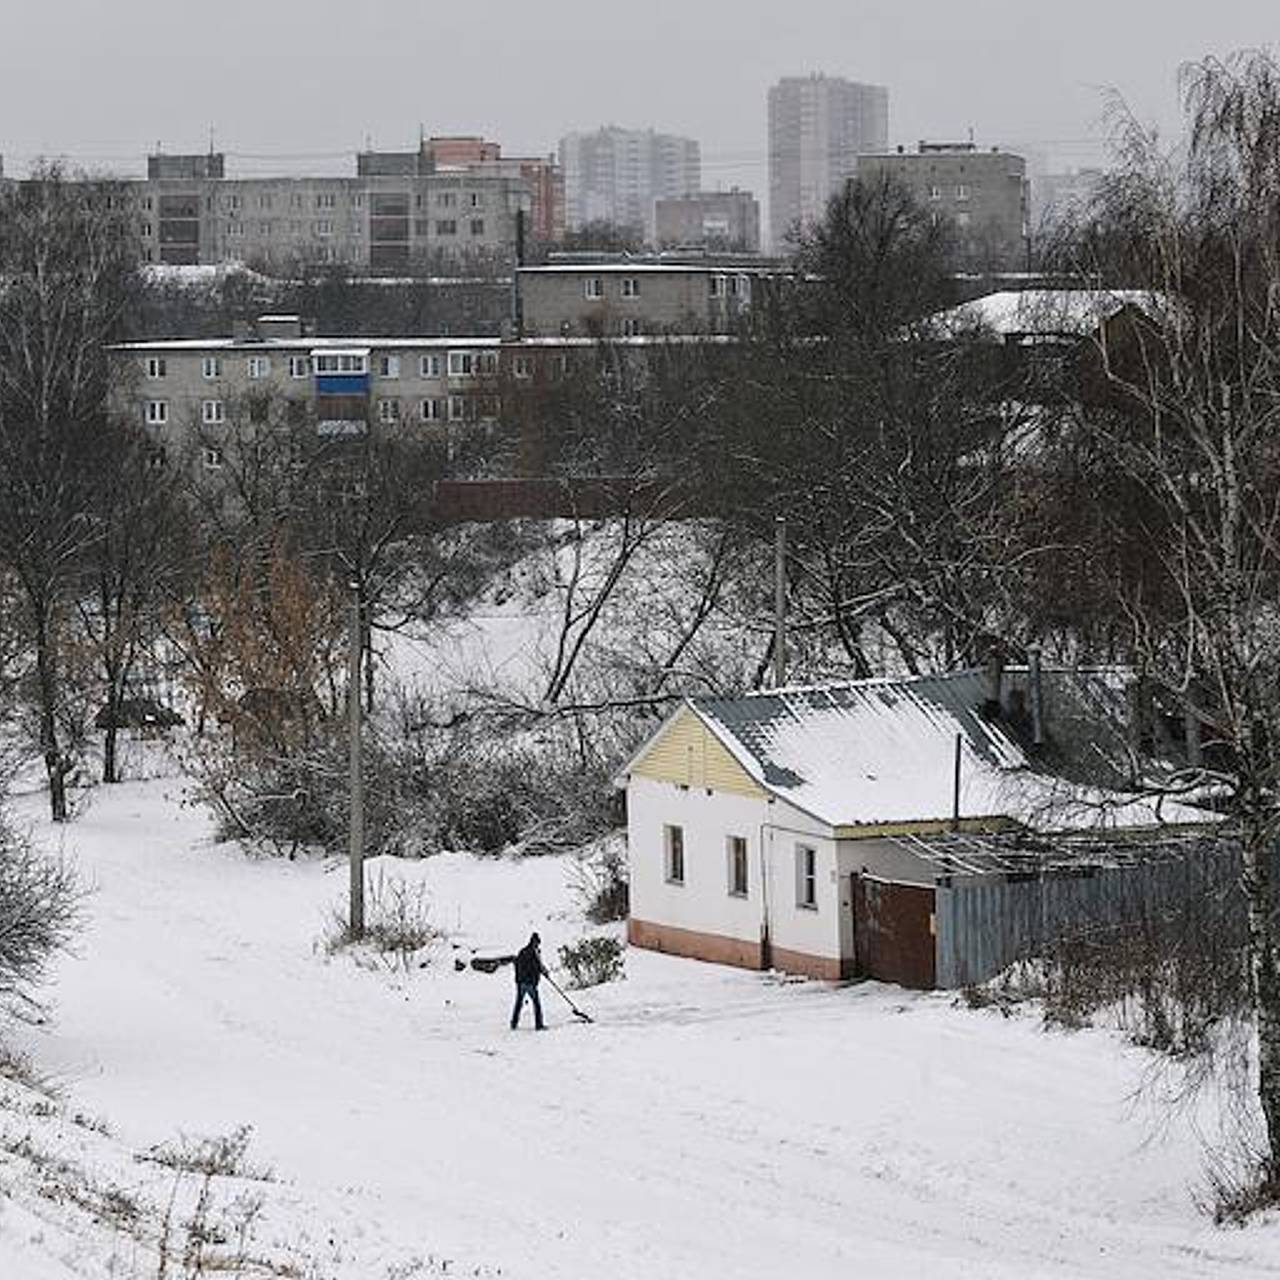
(711, 1123)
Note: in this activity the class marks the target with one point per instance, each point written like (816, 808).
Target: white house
(752, 820)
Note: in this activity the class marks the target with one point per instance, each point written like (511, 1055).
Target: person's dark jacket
(528, 965)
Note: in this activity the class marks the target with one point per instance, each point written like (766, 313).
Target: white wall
(817, 932)
(703, 902)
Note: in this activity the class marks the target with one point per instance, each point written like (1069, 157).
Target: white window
(212, 458)
(962, 191)
(157, 412)
(235, 228)
(388, 366)
(486, 363)
(593, 288)
(632, 326)
(156, 367)
(264, 202)
(522, 368)
(344, 363)
(806, 877)
(431, 410)
(388, 411)
(213, 411)
(673, 853)
(323, 227)
(144, 229)
(458, 408)
(429, 366)
(461, 364)
(716, 286)
(325, 201)
(259, 366)
(935, 193)
(299, 366)
(630, 286)
(211, 366)
(737, 851)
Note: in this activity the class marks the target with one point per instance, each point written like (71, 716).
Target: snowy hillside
(711, 1122)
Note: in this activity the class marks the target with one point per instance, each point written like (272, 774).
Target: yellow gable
(687, 753)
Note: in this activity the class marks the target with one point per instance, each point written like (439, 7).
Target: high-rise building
(615, 175)
(818, 126)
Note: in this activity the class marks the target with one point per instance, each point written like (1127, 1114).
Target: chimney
(993, 701)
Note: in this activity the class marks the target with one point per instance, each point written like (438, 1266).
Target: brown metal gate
(893, 932)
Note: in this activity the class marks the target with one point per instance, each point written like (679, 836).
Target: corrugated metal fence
(986, 923)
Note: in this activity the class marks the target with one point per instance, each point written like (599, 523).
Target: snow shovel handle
(556, 987)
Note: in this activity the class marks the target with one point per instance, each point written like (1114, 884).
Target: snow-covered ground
(711, 1122)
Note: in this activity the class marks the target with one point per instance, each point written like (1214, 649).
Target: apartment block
(818, 127)
(723, 220)
(635, 297)
(616, 175)
(982, 193)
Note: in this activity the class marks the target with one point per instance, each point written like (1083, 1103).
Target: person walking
(529, 971)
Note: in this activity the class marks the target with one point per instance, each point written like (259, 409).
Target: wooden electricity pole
(356, 781)
(780, 603)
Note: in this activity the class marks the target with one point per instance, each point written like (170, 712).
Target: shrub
(398, 925)
(592, 961)
(600, 881)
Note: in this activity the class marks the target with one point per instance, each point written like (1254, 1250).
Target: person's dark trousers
(529, 989)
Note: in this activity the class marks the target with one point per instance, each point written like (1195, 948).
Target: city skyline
(1035, 82)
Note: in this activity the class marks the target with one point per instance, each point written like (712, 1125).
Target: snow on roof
(1070, 312)
(252, 343)
(883, 751)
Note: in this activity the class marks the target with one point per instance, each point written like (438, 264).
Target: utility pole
(356, 780)
(780, 602)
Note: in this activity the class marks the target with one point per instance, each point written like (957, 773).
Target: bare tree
(67, 280)
(1175, 465)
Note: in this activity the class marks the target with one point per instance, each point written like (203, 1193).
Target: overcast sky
(286, 86)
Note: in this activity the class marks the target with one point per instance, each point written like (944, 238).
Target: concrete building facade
(725, 220)
(615, 175)
(818, 127)
(636, 297)
(983, 193)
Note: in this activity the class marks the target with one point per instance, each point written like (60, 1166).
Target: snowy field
(710, 1123)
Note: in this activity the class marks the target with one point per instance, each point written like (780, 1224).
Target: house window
(157, 412)
(477, 226)
(156, 367)
(962, 191)
(144, 229)
(259, 366)
(737, 849)
(323, 228)
(212, 458)
(211, 367)
(935, 193)
(461, 364)
(673, 848)
(299, 366)
(447, 199)
(716, 286)
(446, 227)
(431, 410)
(341, 364)
(477, 200)
(963, 219)
(593, 289)
(388, 366)
(213, 412)
(806, 877)
(235, 229)
(632, 326)
(429, 366)
(630, 286)
(486, 363)
(264, 202)
(388, 411)
(522, 368)
(325, 201)
(458, 408)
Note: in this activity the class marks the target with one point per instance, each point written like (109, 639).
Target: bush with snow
(591, 961)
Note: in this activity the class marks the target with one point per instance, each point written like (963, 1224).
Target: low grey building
(982, 193)
(635, 296)
(725, 220)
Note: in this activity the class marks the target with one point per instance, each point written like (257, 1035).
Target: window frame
(258, 367)
(630, 288)
(593, 288)
(429, 365)
(213, 413)
(673, 864)
(389, 410)
(738, 854)
(211, 367)
(157, 367)
(806, 877)
(299, 366)
(156, 413)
